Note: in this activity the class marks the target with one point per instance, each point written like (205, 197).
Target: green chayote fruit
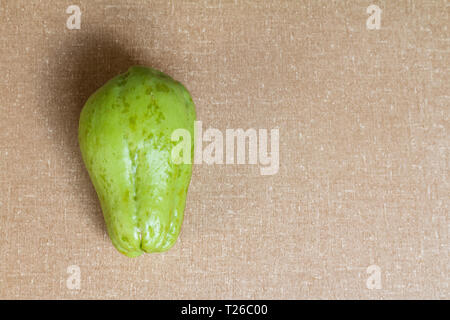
(125, 139)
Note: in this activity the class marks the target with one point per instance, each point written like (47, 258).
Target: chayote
(125, 139)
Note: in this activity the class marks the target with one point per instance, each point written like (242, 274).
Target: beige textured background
(364, 148)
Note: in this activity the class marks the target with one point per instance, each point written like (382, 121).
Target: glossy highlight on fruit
(125, 139)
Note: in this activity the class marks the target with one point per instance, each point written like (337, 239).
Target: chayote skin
(125, 139)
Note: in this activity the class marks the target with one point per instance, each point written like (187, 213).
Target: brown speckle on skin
(132, 121)
(161, 87)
